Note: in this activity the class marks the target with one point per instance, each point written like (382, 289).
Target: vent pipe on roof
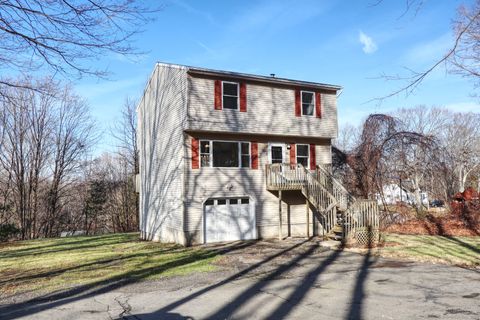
(272, 75)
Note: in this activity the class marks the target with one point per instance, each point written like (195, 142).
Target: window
(230, 95)
(308, 103)
(245, 151)
(205, 153)
(303, 154)
(225, 154)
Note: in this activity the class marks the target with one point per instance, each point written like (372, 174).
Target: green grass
(463, 251)
(52, 264)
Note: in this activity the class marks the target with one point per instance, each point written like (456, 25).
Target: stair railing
(361, 220)
(359, 214)
(344, 198)
(284, 176)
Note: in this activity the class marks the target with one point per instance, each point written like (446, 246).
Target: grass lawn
(463, 251)
(50, 264)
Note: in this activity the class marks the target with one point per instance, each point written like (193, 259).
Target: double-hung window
(303, 154)
(205, 154)
(308, 103)
(225, 154)
(245, 154)
(230, 95)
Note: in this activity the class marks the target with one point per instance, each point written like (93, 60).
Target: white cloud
(369, 46)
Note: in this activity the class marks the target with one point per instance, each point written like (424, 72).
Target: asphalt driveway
(294, 279)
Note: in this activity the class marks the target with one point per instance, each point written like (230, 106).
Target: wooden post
(279, 214)
(307, 211)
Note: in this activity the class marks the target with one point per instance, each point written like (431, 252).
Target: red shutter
(254, 154)
(195, 163)
(293, 156)
(318, 104)
(313, 160)
(298, 111)
(218, 95)
(243, 97)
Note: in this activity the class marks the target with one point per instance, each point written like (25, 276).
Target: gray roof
(259, 78)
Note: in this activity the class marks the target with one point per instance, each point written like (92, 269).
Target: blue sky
(349, 43)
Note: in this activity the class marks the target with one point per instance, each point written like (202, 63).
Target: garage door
(229, 219)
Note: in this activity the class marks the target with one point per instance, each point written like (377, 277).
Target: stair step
(335, 237)
(337, 228)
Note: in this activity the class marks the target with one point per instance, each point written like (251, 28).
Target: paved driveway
(294, 279)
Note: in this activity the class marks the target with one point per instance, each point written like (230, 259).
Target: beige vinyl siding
(323, 153)
(270, 110)
(204, 183)
(161, 118)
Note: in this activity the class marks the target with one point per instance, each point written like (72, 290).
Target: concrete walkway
(290, 280)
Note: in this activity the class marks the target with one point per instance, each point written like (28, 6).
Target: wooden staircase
(342, 216)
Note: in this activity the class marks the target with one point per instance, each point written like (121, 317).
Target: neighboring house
(393, 194)
(206, 140)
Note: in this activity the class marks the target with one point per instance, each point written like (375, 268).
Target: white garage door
(229, 219)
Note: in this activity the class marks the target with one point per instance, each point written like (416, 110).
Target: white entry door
(276, 153)
(229, 219)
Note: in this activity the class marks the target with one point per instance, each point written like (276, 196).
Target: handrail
(344, 198)
(284, 176)
(325, 193)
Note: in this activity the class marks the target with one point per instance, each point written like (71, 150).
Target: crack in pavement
(126, 307)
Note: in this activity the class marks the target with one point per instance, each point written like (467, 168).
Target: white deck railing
(326, 194)
(284, 176)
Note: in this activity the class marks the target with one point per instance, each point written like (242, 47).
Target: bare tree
(46, 133)
(73, 134)
(25, 148)
(462, 57)
(125, 197)
(59, 36)
(347, 139)
(125, 132)
(462, 146)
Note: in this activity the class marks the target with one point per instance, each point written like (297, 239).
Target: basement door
(229, 219)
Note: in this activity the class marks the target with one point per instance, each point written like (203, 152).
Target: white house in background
(393, 194)
(209, 139)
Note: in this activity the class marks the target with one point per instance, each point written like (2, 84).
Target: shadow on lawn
(304, 285)
(94, 265)
(441, 232)
(53, 300)
(61, 245)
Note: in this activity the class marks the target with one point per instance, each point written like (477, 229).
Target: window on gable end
(230, 95)
(308, 103)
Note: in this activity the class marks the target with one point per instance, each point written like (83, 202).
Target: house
(226, 156)
(393, 194)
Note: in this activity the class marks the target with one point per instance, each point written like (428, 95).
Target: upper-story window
(303, 154)
(308, 103)
(230, 93)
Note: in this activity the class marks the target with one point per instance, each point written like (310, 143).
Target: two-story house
(228, 156)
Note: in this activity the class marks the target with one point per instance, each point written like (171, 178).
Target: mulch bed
(464, 220)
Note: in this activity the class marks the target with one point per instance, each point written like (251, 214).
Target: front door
(276, 153)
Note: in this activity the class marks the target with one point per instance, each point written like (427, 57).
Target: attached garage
(229, 219)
